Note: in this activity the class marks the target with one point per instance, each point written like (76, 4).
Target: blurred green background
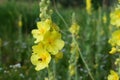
(16, 42)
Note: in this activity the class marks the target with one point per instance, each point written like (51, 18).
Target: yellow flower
(115, 39)
(117, 61)
(41, 59)
(58, 56)
(53, 42)
(88, 6)
(115, 17)
(113, 75)
(37, 48)
(43, 27)
(46, 78)
(113, 50)
(73, 47)
(71, 70)
(74, 29)
(104, 18)
(20, 23)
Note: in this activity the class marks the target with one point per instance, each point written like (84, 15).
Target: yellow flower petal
(115, 39)
(43, 28)
(113, 50)
(113, 75)
(115, 17)
(41, 60)
(53, 42)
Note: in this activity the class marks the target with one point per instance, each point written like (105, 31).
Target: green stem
(69, 77)
(49, 73)
(20, 34)
(54, 69)
(76, 74)
(90, 74)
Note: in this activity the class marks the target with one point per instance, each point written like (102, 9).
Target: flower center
(43, 58)
(50, 41)
(42, 30)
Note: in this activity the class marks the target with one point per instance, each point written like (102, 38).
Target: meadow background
(16, 42)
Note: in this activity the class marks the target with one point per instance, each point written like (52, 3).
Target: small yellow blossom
(74, 29)
(119, 1)
(117, 61)
(20, 23)
(43, 28)
(58, 56)
(113, 50)
(115, 39)
(96, 66)
(41, 59)
(46, 78)
(71, 70)
(37, 48)
(115, 17)
(88, 6)
(53, 42)
(104, 19)
(113, 75)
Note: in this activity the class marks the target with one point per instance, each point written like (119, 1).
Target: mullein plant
(19, 41)
(74, 53)
(115, 42)
(48, 41)
(20, 24)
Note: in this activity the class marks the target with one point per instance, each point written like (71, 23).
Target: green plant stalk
(20, 40)
(90, 74)
(73, 56)
(76, 73)
(54, 69)
(49, 73)
(98, 44)
(69, 77)
(20, 34)
(75, 53)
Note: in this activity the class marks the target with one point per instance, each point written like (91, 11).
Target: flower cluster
(115, 42)
(74, 30)
(47, 38)
(48, 42)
